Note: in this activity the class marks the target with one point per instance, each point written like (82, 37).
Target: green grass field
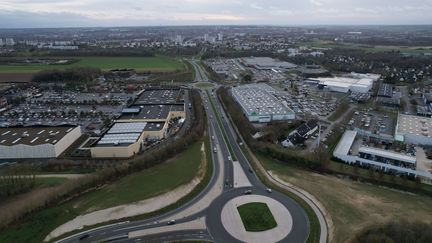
(353, 205)
(49, 181)
(256, 217)
(147, 183)
(141, 64)
(370, 48)
(134, 187)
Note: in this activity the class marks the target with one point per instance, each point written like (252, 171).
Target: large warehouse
(267, 63)
(414, 129)
(355, 82)
(124, 140)
(259, 105)
(36, 142)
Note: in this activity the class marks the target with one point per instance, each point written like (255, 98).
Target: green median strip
(218, 119)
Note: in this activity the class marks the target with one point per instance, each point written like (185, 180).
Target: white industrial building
(414, 129)
(355, 82)
(377, 158)
(267, 63)
(260, 105)
(36, 142)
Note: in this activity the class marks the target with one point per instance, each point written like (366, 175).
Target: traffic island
(265, 219)
(256, 217)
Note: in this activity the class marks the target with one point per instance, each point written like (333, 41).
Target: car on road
(229, 158)
(247, 192)
(171, 222)
(84, 237)
(269, 190)
(214, 149)
(212, 137)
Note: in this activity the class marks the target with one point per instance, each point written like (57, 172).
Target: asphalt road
(215, 229)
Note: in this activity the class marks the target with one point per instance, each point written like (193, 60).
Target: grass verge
(256, 217)
(49, 181)
(182, 201)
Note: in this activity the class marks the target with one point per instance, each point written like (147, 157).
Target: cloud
(41, 13)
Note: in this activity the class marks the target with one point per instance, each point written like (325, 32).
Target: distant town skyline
(104, 13)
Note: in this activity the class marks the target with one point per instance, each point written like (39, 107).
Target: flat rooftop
(345, 143)
(257, 101)
(122, 134)
(154, 126)
(267, 63)
(158, 96)
(33, 135)
(388, 154)
(385, 90)
(147, 112)
(417, 125)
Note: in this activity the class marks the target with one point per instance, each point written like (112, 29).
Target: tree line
(16, 180)
(69, 75)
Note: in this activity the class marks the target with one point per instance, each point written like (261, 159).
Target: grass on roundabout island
(256, 217)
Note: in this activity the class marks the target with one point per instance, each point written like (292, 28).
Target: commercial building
(159, 96)
(260, 105)
(267, 63)
(152, 113)
(414, 129)
(146, 120)
(376, 158)
(355, 82)
(125, 139)
(37, 141)
(385, 90)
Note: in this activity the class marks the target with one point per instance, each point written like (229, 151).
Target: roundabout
(225, 223)
(232, 221)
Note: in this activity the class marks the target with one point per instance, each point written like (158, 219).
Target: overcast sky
(82, 13)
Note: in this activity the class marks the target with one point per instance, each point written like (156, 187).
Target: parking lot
(89, 110)
(306, 100)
